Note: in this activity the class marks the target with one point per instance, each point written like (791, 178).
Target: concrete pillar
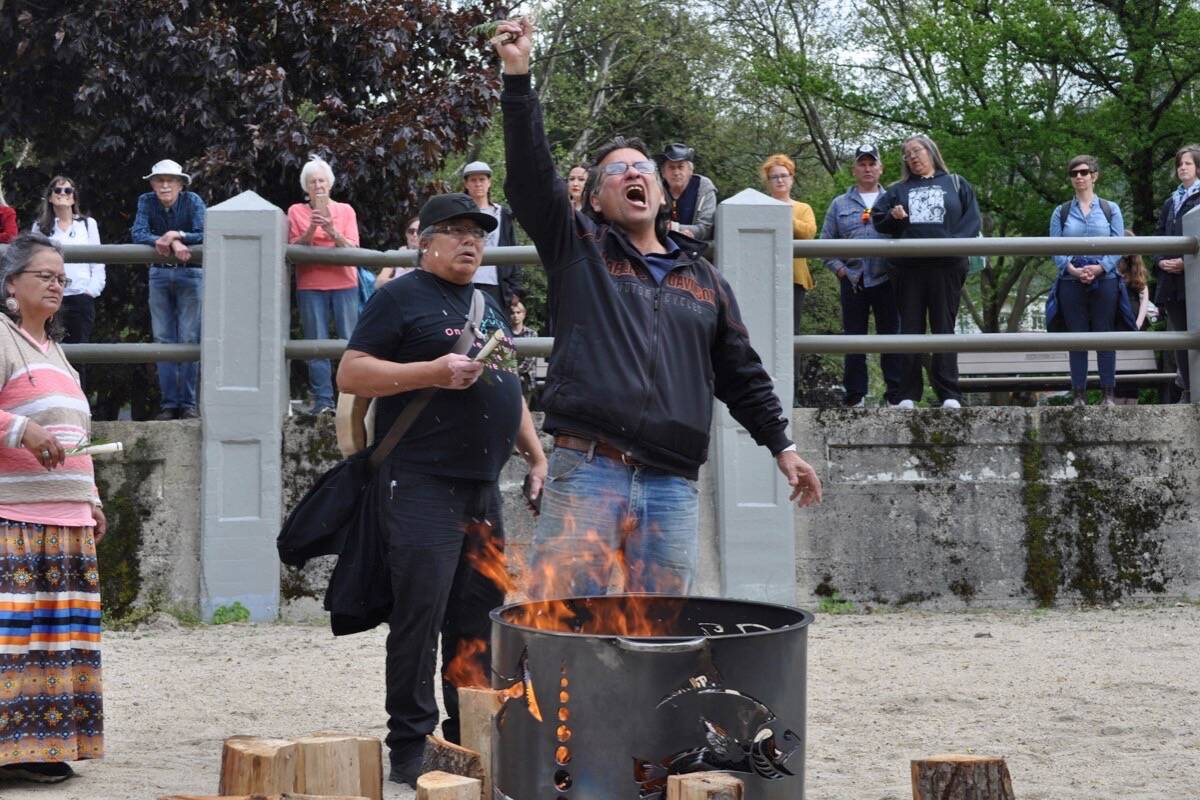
(1191, 278)
(755, 522)
(243, 396)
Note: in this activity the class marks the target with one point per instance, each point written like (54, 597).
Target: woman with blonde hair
(778, 172)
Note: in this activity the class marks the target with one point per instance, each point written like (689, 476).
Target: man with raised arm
(647, 332)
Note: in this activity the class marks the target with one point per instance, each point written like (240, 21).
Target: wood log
(283, 796)
(961, 777)
(443, 756)
(439, 785)
(704, 786)
(477, 709)
(250, 765)
(370, 762)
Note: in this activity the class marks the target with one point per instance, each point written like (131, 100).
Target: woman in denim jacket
(1088, 286)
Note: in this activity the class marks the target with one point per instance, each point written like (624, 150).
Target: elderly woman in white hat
(172, 219)
(501, 282)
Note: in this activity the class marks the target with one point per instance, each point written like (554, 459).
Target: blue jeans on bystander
(599, 514)
(175, 294)
(1091, 308)
(317, 309)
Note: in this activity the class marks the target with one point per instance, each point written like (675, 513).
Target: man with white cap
(171, 219)
(501, 282)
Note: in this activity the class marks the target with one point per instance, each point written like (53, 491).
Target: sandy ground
(1083, 704)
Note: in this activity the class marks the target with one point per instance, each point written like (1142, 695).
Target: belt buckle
(627, 460)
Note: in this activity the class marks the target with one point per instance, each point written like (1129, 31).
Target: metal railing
(116, 353)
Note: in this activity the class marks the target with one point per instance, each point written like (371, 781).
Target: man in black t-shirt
(438, 497)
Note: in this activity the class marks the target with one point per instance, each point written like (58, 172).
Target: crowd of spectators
(902, 295)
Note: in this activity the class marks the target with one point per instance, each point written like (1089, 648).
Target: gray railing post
(1191, 280)
(755, 522)
(243, 395)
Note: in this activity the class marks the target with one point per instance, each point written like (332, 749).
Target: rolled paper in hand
(97, 449)
(490, 345)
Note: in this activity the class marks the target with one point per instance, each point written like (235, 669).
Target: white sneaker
(950, 402)
(905, 404)
(862, 403)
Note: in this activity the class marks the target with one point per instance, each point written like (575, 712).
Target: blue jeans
(1091, 308)
(599, 515)
(175, 294)
(317, 308)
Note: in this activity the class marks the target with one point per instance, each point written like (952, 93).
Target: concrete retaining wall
(991, 507)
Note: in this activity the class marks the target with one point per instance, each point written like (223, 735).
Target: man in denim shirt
(171, 219)
(863, 282)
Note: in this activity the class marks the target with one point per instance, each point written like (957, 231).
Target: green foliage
(836, 604)
(240, 93)
(235, 612)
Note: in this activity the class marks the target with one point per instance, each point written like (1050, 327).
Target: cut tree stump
(443, 756)
(257, 766)
(444, 786)
(370, 762)
(961, 777)
(331, 764)
(704, 786)
(477, 709)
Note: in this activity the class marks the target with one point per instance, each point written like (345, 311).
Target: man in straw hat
(171, 219)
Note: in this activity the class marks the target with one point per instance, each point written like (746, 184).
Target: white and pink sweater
(40, 385)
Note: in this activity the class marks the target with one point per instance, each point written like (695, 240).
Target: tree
(241, 93)
(1010, 89)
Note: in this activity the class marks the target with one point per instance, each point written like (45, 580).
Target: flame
(593, 562)
(466, 668)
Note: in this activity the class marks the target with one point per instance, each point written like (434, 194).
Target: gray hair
(316, 164)
(16, 259)
(935, 155)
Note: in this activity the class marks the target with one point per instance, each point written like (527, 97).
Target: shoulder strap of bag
(411, 411)
(1064, 211)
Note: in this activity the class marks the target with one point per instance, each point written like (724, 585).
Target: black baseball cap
(456, 205)
(866, 150)
(678, 152)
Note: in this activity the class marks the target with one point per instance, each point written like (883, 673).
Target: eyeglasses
(64, 190)
(462, 231)
(50, 277)
(1079, 173)
(621, 167)
(782, 177)
(911, 154)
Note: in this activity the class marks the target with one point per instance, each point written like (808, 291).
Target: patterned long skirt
(50, 687)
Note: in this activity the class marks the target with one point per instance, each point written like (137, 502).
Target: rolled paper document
(490, 345)
(97, 449)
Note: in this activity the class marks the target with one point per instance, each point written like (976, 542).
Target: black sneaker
(166, 414)
(407, 772)
(189, 412)
(47, 772)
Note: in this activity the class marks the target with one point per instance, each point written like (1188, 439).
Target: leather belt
(591, 446)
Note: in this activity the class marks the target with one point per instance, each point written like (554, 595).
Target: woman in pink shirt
(51, 704)
(324, 292)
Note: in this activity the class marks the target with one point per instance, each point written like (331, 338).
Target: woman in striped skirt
(50, 520)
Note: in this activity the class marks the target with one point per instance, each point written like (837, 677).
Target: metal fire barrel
(720, 686)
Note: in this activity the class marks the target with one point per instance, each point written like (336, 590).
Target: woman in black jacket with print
(928, 202)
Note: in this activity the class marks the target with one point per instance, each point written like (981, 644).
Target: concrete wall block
(1001, 506)
(167, 508)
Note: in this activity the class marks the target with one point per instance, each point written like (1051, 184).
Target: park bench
(981, 372)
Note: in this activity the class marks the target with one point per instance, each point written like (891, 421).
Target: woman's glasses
(64, 190)
(50, 277)
(1079, 173)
